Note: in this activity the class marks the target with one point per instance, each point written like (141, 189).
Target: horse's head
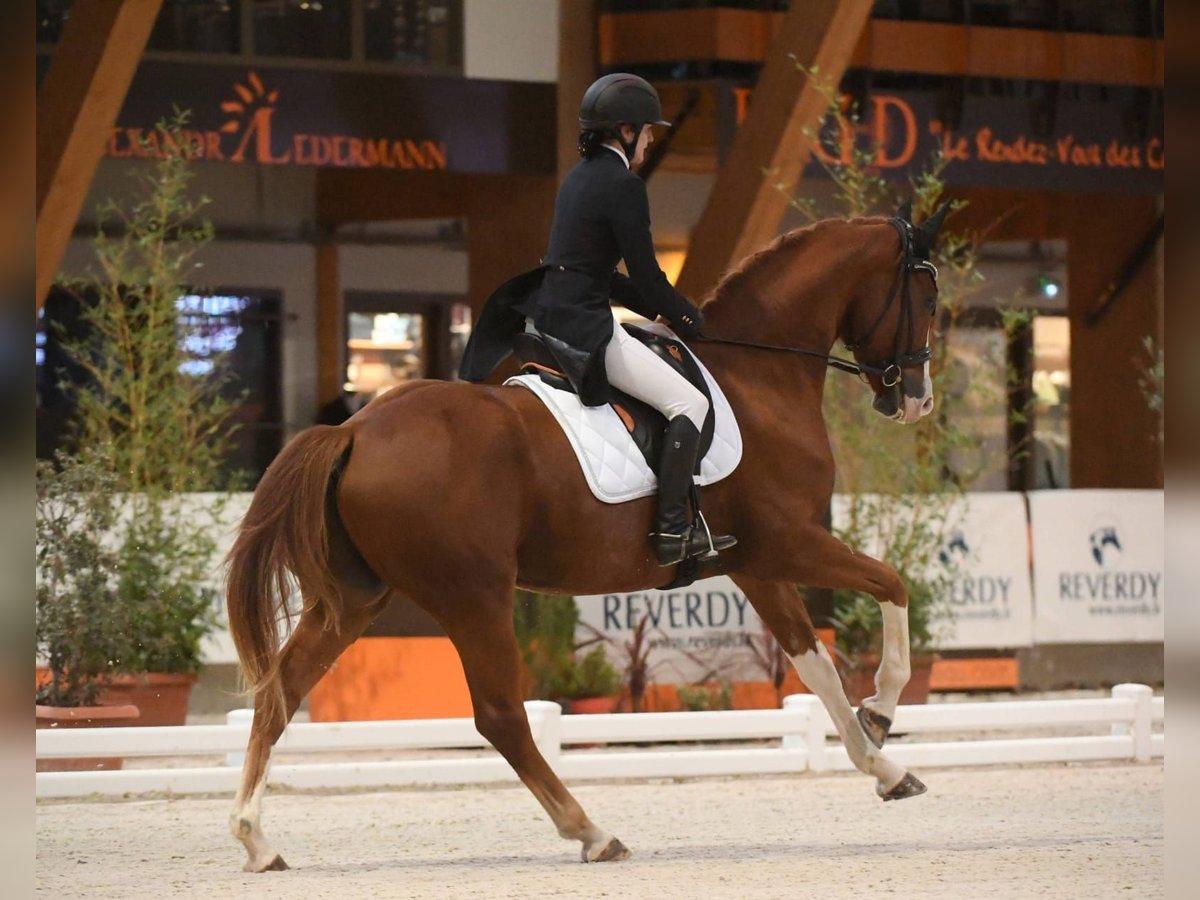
(887, 324)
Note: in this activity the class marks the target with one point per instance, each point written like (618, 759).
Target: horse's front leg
(781, 607)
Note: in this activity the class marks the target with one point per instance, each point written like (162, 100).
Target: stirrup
(672, 549)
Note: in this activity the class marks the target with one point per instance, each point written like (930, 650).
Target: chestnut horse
(452, 494)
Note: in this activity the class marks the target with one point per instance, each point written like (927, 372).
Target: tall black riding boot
(675, 538)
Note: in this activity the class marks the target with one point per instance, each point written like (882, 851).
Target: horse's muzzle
(897, 404)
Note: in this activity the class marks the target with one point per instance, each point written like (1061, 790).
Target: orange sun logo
(252, 96)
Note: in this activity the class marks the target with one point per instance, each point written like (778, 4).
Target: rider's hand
(689, 325)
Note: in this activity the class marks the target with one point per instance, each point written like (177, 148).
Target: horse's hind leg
(310, 651)
(487, 645)
(782, 608)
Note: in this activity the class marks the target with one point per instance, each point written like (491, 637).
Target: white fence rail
(798, 736)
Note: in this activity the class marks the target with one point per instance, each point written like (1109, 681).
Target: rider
(602, 215)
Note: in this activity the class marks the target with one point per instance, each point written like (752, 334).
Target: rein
(890, 374)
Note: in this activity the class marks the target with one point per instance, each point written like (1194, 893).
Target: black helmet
(618, 98)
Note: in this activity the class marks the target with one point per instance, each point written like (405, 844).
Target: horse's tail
(284, 531)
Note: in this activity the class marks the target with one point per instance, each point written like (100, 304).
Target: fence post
(545, 721)
(1141, 695)
(241, 719)
(809, 707)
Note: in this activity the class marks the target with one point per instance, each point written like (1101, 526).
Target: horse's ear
(904, 213)
(927, 231)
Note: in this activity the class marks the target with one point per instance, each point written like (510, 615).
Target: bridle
(889, 373)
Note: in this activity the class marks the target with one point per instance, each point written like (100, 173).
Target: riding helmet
(619, 97)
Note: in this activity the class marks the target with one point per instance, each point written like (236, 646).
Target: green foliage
(904, 484)
(545, 626)
(591, 675)
(699, 697)
(1152, 379)
(155, 429)
(165, 564)
(81, 627)
(155, 425)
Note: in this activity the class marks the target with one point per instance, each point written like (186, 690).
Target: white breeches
(635, 369)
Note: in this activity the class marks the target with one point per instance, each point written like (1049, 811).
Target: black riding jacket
(601, 216)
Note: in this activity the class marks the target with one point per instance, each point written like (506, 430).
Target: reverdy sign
(989, 591)
(706, 630)
(1098, 565)
(280, 116)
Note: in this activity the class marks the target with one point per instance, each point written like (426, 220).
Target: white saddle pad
(613, 465)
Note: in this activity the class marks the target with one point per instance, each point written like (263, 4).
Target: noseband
(890, 373)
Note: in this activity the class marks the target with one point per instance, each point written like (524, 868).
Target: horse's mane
(736, 278)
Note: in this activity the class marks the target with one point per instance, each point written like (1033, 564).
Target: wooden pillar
(330, 316)
(77, 105)
(576, 71)
(507, 228)
(1113, 429)
(758, 176)
(18, 150)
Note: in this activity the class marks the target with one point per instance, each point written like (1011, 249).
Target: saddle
(539, 353)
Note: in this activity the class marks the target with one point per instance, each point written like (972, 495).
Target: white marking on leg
(816, 670)
(246, 824)
(894, 668)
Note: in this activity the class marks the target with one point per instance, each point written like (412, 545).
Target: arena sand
(1075, 831)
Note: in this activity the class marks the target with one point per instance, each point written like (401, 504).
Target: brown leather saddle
(646, 425)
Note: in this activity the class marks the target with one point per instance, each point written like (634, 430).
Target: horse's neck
(775, 395)
(795, 310)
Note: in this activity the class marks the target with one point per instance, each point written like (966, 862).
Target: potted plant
(81, 625)
(858, 628)
(591, 683)
(545, 627)
(702, 697)
(154, 411)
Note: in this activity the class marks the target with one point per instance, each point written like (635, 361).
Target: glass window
(1051, 401)
(392, 339)
(416, 32)
(383, 350)
(975, 386)
(202, 26)
(319, 29)
(244, 325)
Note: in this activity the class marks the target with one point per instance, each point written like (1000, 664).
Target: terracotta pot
(162, 698)
(586, 705)
(859, 679)
(106, 716)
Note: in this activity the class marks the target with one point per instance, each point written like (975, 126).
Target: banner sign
(705, 631)
(990, 596)
(340, 119)
(984, 555)
(1098, 565)
(1066, 144)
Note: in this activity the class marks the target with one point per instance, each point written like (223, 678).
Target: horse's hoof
(876, 725)
(275, 865)
(908, 786)
(614, 851)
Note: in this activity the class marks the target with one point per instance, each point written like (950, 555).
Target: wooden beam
(770, 150)
(18, 149)
(77, 105)
(576, 70)
(929, 48)
(330, 374)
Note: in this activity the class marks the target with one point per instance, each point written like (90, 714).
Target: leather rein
(890, 374)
